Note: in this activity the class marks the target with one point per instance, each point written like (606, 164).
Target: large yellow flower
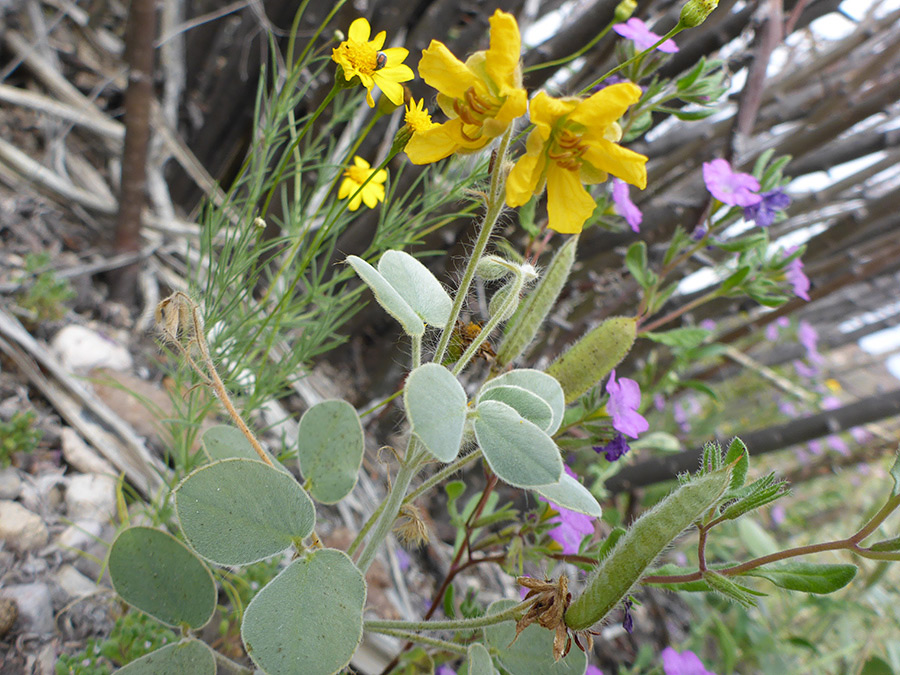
(481, 96)
(359, 57)
(354, 178)
(574, 143)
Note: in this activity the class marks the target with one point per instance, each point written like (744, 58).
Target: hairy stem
(510, 614)
(415, 637)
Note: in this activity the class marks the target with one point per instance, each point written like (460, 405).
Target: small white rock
(21, 529)
(79, 536)
(35, 607)
(92, 496)
(81, 349)
(74, 582)
(81, 456)
(10, 483)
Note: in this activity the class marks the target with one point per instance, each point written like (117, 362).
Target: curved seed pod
(505, 301)
(593, 357)
(535, 308)
(640, 546)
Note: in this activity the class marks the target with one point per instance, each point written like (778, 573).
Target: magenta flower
(764, 211)
(615, 449)
(593, 670)
(838, 444)
(798, 279)
(573, 526)
(636, 30)
(809, 338)
(804, 370)
(445, 670)
(626, 208)
(624, 401)
(730, 187)
(685, 663)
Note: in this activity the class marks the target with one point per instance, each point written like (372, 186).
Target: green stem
(365, 529)
(226, 665)
(416, 351)
(415, 637)
(494, 207)
(573, 55)
(444, 473)
(513, 613)
(408, 470)
(876, 520)
(637, 57)
(675, 313)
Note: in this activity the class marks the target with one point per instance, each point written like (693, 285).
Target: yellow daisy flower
(365, 59)
(355, 176)
(574, 142)
(417, 118)
(481, 96)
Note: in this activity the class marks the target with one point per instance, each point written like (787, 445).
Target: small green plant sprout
(18, 435)
(43, 295)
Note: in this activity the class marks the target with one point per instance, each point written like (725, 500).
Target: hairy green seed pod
(593, 357)
(640, 546)
(535, 308)
(505, 301)
(624, 10)
(494, 268)
(695, 12)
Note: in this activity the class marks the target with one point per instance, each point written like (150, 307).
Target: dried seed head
(411, 528)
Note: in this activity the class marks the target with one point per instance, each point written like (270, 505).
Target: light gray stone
(73, 582)
(79, 454)
(10, 483)
(92, 496)
(81, 349)
(35, 607)
(21, 529)
(79, 536)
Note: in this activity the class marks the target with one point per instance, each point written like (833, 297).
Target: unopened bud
(494, 268)
(695, 12)
(624, 10)
(401, 138)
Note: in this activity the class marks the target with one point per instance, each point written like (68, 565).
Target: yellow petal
(395, 57)
(568, 204)
(546, 110)
(521, 184)
(502, 59)
(431, 145)
(372, 194)
(378, 40)
(390, 87)
(347, 188)
(355, 202)
(606, 106)
(626, 164)
(379, 177)
(444, 72)
(360, 162)
(514, 107)
(359, 30)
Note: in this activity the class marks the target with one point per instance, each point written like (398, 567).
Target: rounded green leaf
(392, 302)
(240, 511)
(331, 450)
(189, 657)
(436, 406)
(572, 495)
(807, 577)
(154, 572)
(532, 652)
(418, 286)
(530, 406)
(226, 442)
(537, 382)
(308, 619)
(518, 451)
(478, 661)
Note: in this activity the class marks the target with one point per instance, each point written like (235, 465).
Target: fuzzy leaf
(572, 495)
(820, 578)
(330, 450)
(436, 406)
(538, 383)
(387, 296)
(417, 286)
(188, 657)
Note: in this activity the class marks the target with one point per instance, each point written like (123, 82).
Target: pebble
(80, 456)
(9, 610)
(79, 535)
(35, 607)
(21, 529)
(91, 495)
(73, 582)
(81, 349)
(10, 483)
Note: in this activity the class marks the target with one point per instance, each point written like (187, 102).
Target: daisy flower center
(362, 55)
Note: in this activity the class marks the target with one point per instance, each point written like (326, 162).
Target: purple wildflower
(763, 212)
(728, 186)
(838, 444)
(628, 620)
(698, 233)
(572, 526)
(402, 559)
(783, 321)
(626, 208)
(797, 278)
(787, 408)
(636, 30)
(624, 400)
(615, 449)
(593, 670)
(778, 513)
(809, 338)
(815, 447)
(860, 435)
(771, 332)
(445, 670)
(685, 663)
(708, 324)
(831, 403)
(608, 82)
(804, 370)
(659, 402)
